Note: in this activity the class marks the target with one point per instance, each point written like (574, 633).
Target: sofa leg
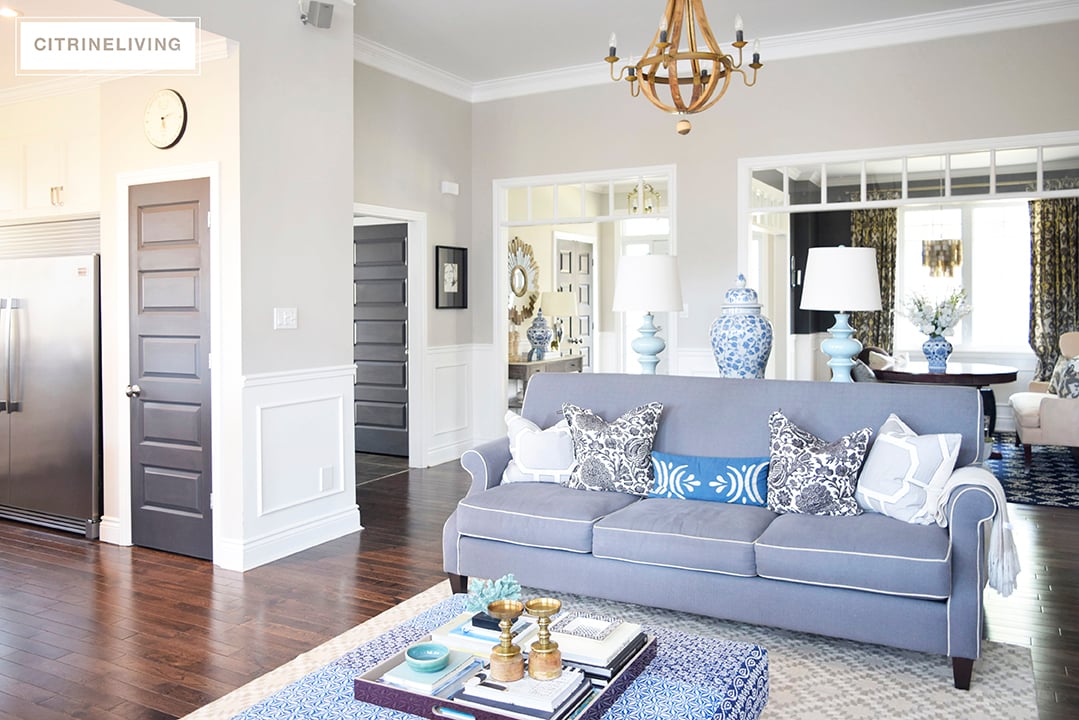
(1027, 455)
(458, 583)
(961, 672)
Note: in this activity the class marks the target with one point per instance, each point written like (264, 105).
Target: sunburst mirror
(524, 273)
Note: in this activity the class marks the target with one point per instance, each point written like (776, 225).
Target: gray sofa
(868, 578)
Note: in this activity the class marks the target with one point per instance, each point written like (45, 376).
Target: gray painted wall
(408, 139)
(962, 88)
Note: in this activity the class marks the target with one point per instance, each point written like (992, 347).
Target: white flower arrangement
(936, 318)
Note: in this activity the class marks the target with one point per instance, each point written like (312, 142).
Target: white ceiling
(469, 48)
(484, 40)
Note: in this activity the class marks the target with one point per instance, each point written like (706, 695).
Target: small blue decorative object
(427, 656)
(539, 335)
(936, 350)
(482, 593)
(741, 336)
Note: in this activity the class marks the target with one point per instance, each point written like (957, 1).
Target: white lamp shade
(558, 304)
(841, 279)
(648, 283)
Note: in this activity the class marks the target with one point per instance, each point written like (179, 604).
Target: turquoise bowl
(427, 656)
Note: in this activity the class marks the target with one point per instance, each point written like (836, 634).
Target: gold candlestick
(545, 659)
(507, 662)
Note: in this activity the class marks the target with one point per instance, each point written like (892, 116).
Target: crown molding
(404, 66)
(997, 17)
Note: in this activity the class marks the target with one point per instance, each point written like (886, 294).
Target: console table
(979, 375)
(522, 372)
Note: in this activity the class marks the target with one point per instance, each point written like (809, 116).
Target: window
(984, 248)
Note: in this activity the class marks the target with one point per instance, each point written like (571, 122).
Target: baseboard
(243, 556)
(114, 532)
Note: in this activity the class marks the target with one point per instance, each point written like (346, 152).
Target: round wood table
(979, 375)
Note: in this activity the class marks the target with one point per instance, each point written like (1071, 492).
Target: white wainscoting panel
(449, 403)
(697, 361)
(299, 465)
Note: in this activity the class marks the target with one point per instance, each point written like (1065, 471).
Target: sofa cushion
(538, 455)
(810, 475)
(1026, 406)
(711, 537)
(538, 514)
(904, 472)
(865, 552)
(741, 480)
(616, 455)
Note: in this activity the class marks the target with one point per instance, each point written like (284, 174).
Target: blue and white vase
(539, 336)
(741, 336)
(936, 350)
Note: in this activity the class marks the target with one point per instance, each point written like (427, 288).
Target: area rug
(811, 677)
(1052, 478)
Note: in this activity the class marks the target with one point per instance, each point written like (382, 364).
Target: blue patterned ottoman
(691, 678)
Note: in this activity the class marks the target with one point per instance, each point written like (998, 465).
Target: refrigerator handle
(14, 356)
(14, 360)
(5, 317)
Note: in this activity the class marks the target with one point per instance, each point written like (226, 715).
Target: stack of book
(597, 645)
(527, 698)
(461, 634)
(440, 683)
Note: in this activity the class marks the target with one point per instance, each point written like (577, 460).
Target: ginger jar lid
(742, 297)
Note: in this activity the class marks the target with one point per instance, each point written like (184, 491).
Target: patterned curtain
(876, 228)
(1054, 277)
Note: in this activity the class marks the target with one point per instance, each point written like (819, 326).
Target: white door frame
(116, 374)
(364, 213)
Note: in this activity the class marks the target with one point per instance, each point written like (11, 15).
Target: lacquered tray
(369, 690)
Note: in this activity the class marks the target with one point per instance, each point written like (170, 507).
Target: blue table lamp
(841, 279)
(648, 284)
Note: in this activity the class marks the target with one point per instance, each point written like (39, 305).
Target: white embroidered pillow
(904, 473)
(538, 455)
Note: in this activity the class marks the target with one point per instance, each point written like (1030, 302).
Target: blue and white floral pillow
(740, 481)
(616, 455)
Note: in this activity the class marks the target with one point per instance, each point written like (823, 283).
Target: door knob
(133, 391)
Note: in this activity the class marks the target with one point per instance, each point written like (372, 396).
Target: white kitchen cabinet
(39, 178)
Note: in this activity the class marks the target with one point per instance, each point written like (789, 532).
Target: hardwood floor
(89, 630)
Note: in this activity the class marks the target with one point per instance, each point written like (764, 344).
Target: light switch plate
(284, 318)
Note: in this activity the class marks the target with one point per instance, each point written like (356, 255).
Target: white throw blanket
(1003, 557)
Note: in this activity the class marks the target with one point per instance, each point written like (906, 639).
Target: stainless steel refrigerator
(50, 396)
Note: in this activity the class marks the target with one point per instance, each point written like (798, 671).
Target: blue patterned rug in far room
(1052, 478)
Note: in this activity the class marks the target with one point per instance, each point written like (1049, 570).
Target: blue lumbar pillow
(739, 480)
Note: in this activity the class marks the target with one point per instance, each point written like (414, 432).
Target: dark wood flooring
(89, 630)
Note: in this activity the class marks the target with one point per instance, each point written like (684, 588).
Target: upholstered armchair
(1048, 418)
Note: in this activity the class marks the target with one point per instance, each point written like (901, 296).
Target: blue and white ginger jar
(936, 350)
(741, 336)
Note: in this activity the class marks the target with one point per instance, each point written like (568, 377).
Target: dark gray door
(170, 376)
(380, 338)
(574, 263)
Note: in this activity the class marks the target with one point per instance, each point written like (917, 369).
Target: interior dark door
(170, 375)
(574, 263)
(810, 230)
(380, 338)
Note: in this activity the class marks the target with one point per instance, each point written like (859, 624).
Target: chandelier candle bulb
(738, 34)
(756, 52)
(612, 46)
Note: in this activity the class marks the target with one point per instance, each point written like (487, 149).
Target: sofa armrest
(1060, 420)
(970, 509)
(485, 463)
